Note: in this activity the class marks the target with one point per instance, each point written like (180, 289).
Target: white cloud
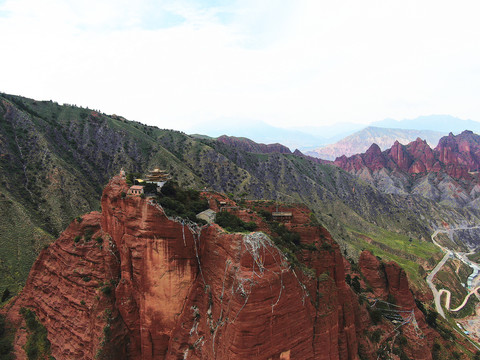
(297, 63)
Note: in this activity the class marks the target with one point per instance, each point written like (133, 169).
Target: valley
(472, 282)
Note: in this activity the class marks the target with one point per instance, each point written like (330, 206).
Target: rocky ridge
(251, 146)
(447, 173)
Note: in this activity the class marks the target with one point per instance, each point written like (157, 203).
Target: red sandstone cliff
(390, 284)
(130, 283)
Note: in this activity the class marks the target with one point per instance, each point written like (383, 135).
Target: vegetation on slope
(184, 203)
(6, 340)
(233, 223)
(37, 346)
(54, 163)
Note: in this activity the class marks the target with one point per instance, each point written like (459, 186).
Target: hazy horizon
(177, 64)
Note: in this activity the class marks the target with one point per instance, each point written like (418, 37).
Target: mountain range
(361, 140)
(312, 137)
(447, 174)
(55, 160)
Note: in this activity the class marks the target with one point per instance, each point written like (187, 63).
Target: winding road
(449, 254)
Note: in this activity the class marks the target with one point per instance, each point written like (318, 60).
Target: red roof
(136, 187)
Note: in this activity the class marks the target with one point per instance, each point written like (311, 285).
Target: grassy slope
(54, 162)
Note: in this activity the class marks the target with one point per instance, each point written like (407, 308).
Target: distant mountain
(258, 131)
(442, 123)
(251, 146)
(448, 174)
(361, 140)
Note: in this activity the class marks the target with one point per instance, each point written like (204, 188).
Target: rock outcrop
(390, 284)
(132, 283)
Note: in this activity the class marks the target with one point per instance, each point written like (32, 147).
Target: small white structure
(207, 215)
(136, 190)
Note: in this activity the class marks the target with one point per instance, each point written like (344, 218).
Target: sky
(299, 63)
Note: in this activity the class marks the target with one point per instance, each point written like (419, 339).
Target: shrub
(348, 279)
(107, 290)
(184, 203)
(6, 340)
(326, 246)
(99, 239)
(130, 177)
(286, 237)
(375, 315)
(88, 235)
(6, 295)
(77, 238)
(356, 285)
(376, 335)
(431, 318)
(265, 214)
(37, 346)
(233, 223)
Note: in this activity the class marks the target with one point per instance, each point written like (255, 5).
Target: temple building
(157, 176)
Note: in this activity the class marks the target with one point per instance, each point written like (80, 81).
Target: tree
(6, 295)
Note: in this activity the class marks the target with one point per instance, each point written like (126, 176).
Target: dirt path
(449, 295)
(437, 295)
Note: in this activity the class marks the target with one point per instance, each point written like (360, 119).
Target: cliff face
(64, 289)
(389, 283)
(132, 283)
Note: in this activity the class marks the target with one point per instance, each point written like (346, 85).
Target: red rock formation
(389, 283)
(154, 289)
(374, 273)
(64, 289)
(402, 167)
(400, 157)
(422, 154)
(373, 157)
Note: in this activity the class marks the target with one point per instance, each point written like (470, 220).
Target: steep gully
(450, 254)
